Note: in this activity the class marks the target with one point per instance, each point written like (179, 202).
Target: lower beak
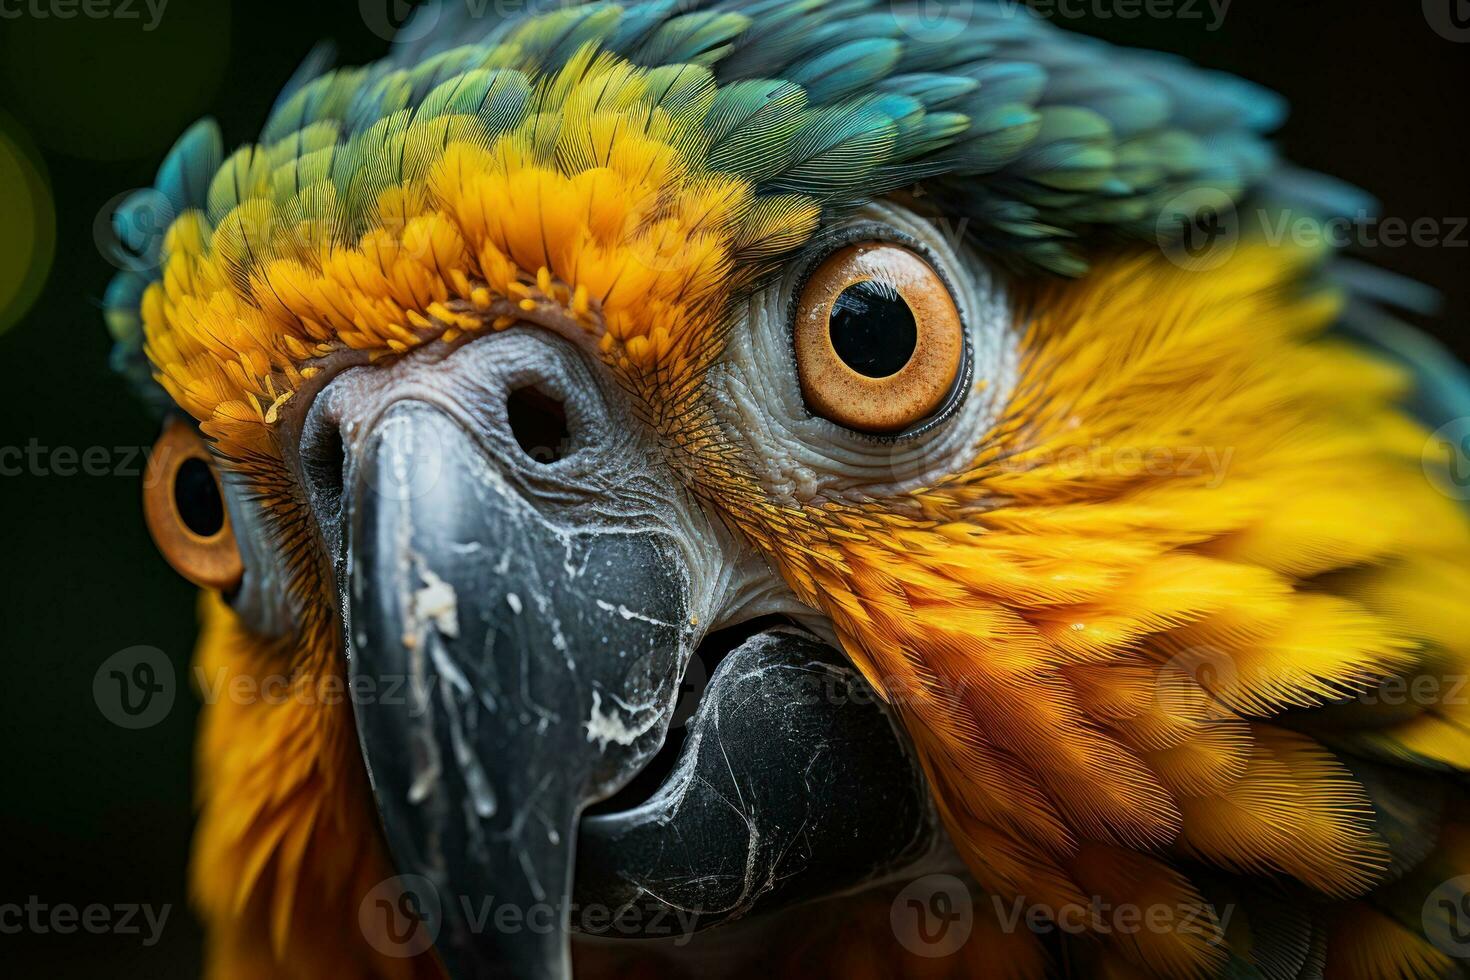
(538, 664)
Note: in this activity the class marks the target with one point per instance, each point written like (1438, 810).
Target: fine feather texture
(1039, 139)
(1050, 628)
(1136, 640)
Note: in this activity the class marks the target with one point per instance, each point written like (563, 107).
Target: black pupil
(872, 329)
(197, 498)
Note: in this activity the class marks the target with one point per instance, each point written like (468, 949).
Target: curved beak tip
(540, 664)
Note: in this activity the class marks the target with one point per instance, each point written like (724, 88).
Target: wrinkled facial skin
(1100, 613)
(802, 459)
(544, 602)
(613, 470)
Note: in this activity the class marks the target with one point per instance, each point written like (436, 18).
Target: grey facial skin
(540, 604)
(806, 457)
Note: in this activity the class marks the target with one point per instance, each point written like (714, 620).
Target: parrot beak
(538, 663)
(518, 635)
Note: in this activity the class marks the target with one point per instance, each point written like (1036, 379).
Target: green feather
(699, 39)
(1040, 141)
(847, 69)
(834, 152)
(750, 126)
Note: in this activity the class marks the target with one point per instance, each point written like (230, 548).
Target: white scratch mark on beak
(604, 727)
(627, 613)
(436, 602)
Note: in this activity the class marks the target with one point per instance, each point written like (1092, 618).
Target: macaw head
(519, 383)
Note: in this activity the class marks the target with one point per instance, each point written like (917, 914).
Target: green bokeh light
(28, 241)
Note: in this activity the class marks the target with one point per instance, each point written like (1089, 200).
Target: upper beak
(516, 637)
(539, 664)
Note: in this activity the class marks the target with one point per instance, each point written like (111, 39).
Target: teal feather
(318, 62)
(1129, 109)
(642, 21)
(684, 91)
(698, 38)
(933, 90)
(1072, 151)
(749, 119)
(847, 69)
(1039, 141)
(775, 37)
(995, 137)
(1313, 192)
(1006, 83)
(566, 32)
(186, 172)
(835, 151)
(932, 131)
(1441, 382)
(440, 25)
(325, 97)
(906, 114)
(934, 48)
(181, 184)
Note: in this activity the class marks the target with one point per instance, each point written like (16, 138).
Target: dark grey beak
(517, 633)
(539, 664)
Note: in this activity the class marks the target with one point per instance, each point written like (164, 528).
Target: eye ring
(880, 344)
(183, 506)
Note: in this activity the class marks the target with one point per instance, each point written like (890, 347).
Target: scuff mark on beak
(435, 602)
(604, 727)
(535, 700)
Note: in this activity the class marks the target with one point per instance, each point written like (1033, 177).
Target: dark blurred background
(94, 813)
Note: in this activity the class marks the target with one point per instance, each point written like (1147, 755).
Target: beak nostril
(539, 423)
(324, 459)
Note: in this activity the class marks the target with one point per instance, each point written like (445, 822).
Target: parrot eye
(185, 510)
(879, 342)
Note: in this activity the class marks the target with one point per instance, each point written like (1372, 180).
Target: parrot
(695, 487)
